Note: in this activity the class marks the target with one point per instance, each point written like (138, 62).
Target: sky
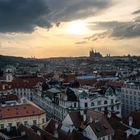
(69, 28)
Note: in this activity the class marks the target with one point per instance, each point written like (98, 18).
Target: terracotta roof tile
(25, 82)
(100, 127)
(16, 111)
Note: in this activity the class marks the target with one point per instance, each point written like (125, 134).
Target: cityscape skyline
(44, 28)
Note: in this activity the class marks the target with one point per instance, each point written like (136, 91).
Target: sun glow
(76, 27)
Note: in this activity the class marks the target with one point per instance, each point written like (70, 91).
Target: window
(2, 126)
(99, 103)
(126, 96)
(99, 109)
(86, 105)
(105, 108)
(109, 137)
(92, 104)
(10, 124)
(118, 107)
(34, 122)
(112, 108)
(105, 102)
(74, 104)
(43, 120)
(112, 101)
(25, 123)
(18, 123)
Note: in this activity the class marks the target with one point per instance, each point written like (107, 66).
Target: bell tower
(9, 75)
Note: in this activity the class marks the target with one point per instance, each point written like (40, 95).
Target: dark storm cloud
(25, 15)
(136, 12)
(115, 30)
(126, 30)
(66, 10)
(22, 15)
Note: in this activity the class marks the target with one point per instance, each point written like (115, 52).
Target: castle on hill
(94, 54)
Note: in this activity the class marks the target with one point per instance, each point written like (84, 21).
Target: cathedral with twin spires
(94, 54)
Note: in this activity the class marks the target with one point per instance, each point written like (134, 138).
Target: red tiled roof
(115, 83)
(100, 83)
(100, 128)
(116, 123)
(86, 82)
(136, 119)
(136, 137)
(51, 126)
(45, 135)
(68, 78)
(31, 135)
(76, 118)
(107, 73)
(23, 110)
(100, 125)
(25, 82)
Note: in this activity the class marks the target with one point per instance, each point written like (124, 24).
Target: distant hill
(12, 60)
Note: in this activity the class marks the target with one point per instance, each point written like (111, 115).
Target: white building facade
(130, 98)
(62, 104)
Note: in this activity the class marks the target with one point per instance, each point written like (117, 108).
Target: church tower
(9, 74)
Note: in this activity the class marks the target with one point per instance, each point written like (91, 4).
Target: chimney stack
(90, 119)
(130, 121)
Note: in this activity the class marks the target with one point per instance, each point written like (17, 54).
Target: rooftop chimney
(81, 112)
(109, 114)
(55, 131)
(130, 121)
(84, 117)
(90, 119)
(3, 86)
